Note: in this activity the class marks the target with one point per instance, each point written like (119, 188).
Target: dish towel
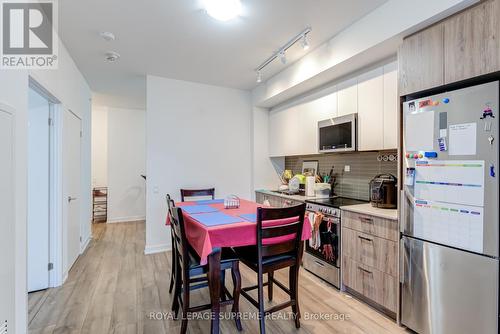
(315, 220)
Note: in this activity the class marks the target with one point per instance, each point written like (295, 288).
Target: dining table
(209, 227)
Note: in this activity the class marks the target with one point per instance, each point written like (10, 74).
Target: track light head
(259, 77)
(282, 56)
(304, 42)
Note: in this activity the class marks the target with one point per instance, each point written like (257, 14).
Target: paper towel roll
(310, 180)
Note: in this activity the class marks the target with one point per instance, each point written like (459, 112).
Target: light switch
(347, 168)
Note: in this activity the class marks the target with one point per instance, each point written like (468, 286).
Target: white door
(7, 237)
(71, 184)
(38, 192)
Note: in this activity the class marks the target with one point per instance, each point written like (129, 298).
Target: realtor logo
(28, 34)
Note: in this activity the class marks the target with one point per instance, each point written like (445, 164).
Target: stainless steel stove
(323, 258)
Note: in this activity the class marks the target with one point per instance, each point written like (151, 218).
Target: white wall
(99, 146)
(265, 170)
(119, 159)
(197, 136)
(126, 163)
(69, 86)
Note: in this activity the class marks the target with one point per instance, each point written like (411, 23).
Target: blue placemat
(215, 218)
(251, 217)
(198, 208)
(210, 201)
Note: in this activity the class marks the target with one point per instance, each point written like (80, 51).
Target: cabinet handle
(364, 238)
(366, 220)
(366, 271)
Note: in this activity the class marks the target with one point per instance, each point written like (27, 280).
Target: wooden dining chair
(271, 255)
(191, 275)
(173, 258)
(196, 193)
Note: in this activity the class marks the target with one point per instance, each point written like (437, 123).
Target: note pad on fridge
(450, 181)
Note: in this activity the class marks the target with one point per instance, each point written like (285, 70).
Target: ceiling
(177, 39)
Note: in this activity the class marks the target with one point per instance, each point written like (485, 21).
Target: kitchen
(335, 172)
(384, 253)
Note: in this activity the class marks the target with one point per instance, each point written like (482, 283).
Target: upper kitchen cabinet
(310, 113)
(472, 42)
(391, 103)
(284, 132)
(421, 64)
(347, 95)
(371, 110)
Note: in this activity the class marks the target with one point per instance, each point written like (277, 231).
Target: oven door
(323, 261)
(325, 245)
(337, 134)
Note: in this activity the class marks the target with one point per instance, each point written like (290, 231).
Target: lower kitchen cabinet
(275, 201)
(371, 283)
(370, 259)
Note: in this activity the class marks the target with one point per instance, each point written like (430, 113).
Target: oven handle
(319, 263)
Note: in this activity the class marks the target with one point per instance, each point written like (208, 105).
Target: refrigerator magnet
(487, 112)
(492, 170)
(442, 144)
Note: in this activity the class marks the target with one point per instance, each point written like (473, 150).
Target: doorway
(72, 132)
(39, 116)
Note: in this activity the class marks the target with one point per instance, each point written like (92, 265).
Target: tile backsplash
(355, 183)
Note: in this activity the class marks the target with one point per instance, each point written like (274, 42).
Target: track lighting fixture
(259, 77)
(304, 42)
(282, 57)
(281, 53)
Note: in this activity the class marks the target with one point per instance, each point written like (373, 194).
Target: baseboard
(153, 249)
(85, 244)
(126, 219)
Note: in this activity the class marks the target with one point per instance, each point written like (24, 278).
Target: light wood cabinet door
(371, 110)
(471, 42)
(372, 251)
(421, 64)
(380, 227)
(347, 97)
(370, 282)
(391, 103)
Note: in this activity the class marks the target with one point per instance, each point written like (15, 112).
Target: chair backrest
(289, 232)
(179, 234)
(197, 192)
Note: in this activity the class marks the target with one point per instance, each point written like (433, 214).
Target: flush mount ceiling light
(281, 53)
(111, 56)
(223, 10)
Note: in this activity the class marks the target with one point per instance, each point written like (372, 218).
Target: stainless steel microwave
(337, 134)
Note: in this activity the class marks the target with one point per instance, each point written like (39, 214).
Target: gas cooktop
(335, 202)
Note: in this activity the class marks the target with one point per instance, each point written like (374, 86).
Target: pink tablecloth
(204, 239)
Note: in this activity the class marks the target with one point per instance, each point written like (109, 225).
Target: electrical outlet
(347, 168)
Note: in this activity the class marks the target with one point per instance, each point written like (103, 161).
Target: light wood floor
(113, 288)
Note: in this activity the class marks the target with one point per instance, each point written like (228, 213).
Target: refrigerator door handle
(402, 216)
(401, 261)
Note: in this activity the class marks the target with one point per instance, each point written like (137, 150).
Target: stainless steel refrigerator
(450, 220)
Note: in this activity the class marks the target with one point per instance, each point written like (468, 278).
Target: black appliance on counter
(383, 191)
(324, 261)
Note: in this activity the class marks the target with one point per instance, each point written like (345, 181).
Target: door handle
(364, 238)
(72, 199)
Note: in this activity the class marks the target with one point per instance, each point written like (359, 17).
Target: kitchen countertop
(368, 209)
(299, 198)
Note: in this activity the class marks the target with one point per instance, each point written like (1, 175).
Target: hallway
(113, 288)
